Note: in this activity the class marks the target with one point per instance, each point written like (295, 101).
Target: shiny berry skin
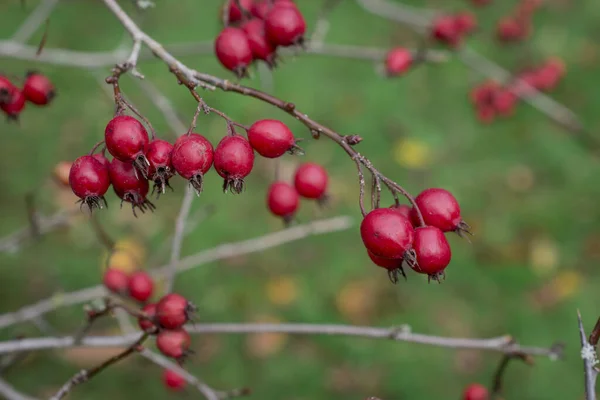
(89, 179)
(465, 22)
(387, 233)
(147, 324)
(283, 200)
(440, 209)
(475, 391)
(271, 138)
(398, 61)
(116, 280)
(158, 153)
(311, 180)
(402, 209)
(235, 14)
(126, 139)
(261, 48)
(129, 185)
(140, 286)
(38, 89)
(6, 89)
(192, 157)
(173, 380)
(233, 50)
(172, 311)
(285, 25)
(446, 30)
(14, 105)
(432, 251)
(102, 158)
(173, 343)
(234, 160)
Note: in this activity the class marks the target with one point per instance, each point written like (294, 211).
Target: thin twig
(179, 233)
(498, 381)
(590, 359)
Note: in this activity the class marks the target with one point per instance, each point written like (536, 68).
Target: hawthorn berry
(129, 186)
(174, 343)
(116, 280)
(440, 209)
(173, 310)
(261, 48)
(432, 251)
(6, 89)
(233, 50)
(38, 89)
(102, 158)
(465, 22)
(234, 160)
(235, 14)
(14, 105)
(192, 157)
(271, 138)
(147, 324)
(475, 391)
(511, 29)
(89, 179)
(260, 8)
(140, 286)
(158, 153)
(311, 180)
(173, 380)
(126, 139)
(392, 265)
(283, 200)
(61, 172)
(285, 25)
(504, 101)
(446, 30)
(387, 233)
(398, 61)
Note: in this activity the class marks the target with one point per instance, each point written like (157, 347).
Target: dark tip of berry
(241, 72)
(92, 202)
(161, 181)
(296, 150)
(30, 72)
(463, 229)
(288, 220)
(235, 185)
(437, 277)
(324, 200)
(410, 256)
(393, 275)
(4, 96)
(141, 165)
(186, 354)
(138, 202)
(51, 95)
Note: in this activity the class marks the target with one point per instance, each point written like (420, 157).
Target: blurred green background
(528, 188)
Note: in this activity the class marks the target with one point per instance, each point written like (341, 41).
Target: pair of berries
(310, 182)
(279, 24)
(450, 29)
(394, 235)
(517, 26)
(37, 89)
(139, 285)
(544, 77)
(492, 100)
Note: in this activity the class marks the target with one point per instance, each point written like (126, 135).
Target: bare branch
(590, 359)
(34, 21)
(10, 393)
(178, 235)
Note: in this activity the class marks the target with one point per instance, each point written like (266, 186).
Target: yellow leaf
(129, 255)
(282, 290)
(412, 153)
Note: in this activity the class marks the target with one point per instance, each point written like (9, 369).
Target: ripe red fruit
(13, 106)
(233, 50)
(260, 8)
(89, 180)
(504, 102)
(126, 139)
(398, 61)
(445, 30)
(38, 89)
(271, 138)
(147, 324)
(465, 22)
(158, 153)
(192, 157)
(440, 209)
(235, 14)
(475, 391)
(432, 251)
(129, 186)
(392, 265)
(102, 158)
(283, 200)
(174, 343)
(173, 380)
(285, 25)
(387, 233)
(402, 209)
(173, 310)
(511, 29)
(116, 280)
(261, 48)
(311, 181)
(486, 114)
(140, 286)
(234, 159)
(6, 89)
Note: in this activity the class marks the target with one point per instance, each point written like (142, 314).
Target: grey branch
(34, 21)
(178, 235)
(590, 359)
(10, 393)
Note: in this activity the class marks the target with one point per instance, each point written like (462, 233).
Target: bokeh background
(529, 189)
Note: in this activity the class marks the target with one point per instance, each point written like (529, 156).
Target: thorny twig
(590, 360)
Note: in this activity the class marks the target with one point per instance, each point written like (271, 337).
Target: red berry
(475, 391)
(234, 159)
(511, 29)
(484, 93)
(445, 30)
(402, 209)
(14, 105)
(158, 153)
(140, 286)
(235, 14)
(38, 89)
(285, 25)
(262, 49)
(486, 114)
(465, 22)
(129, 186)
(173, 380)
(283, 200)
(126, 139)
(233, 50)
(504, 102)
(89, 179)
(398, 61)
(392, 265)
(387, 233)
(271, 138)
(440, 209)
(432, 251)
(116, 280)
(173, 311)
(147, 324)
(311, 181)
(102, 158)
(260, 8)
(173, 343)
(192, 157)
(6, 89)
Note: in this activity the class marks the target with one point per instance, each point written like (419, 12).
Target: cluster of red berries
(310, 182)
(257, 30)
(137, 159)
(451, 29)
(37, 89)
(517, 26)
(475, 391)
(394, 236)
